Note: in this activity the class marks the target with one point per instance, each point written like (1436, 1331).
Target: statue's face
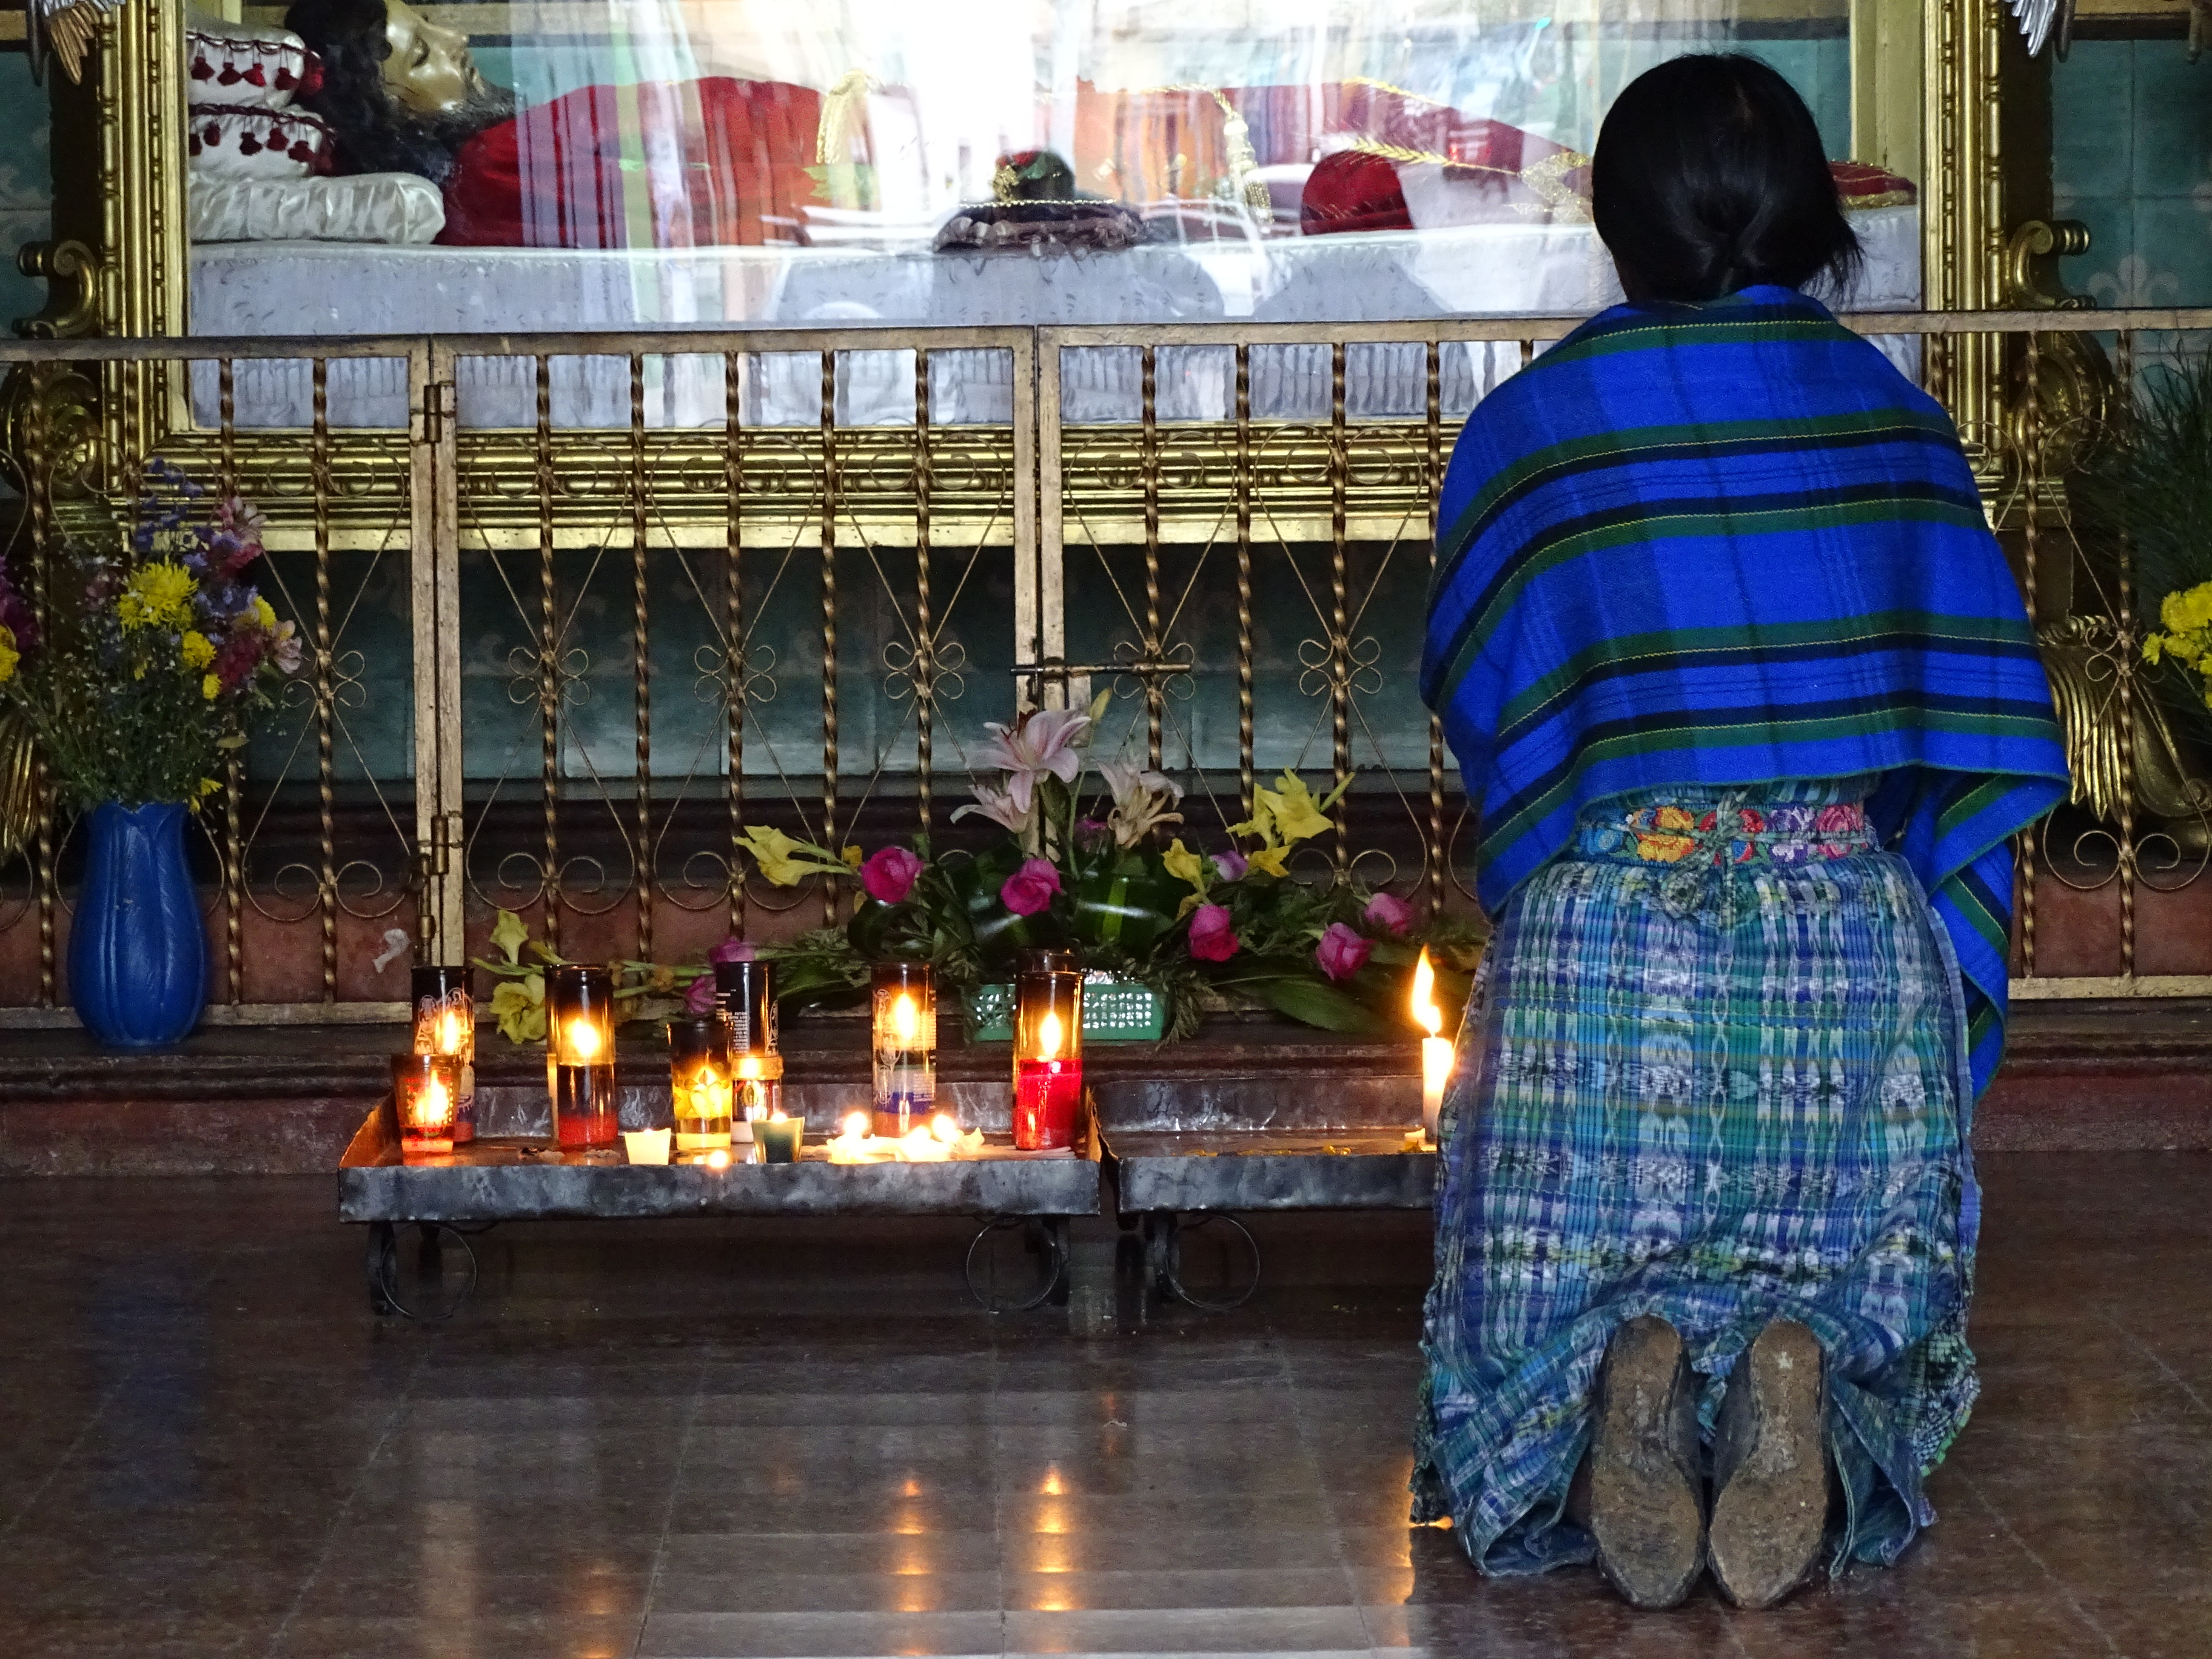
(429, 70)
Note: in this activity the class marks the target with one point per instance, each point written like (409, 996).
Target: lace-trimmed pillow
(398, 207)
(245, 66)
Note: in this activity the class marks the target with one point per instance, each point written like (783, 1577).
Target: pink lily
(1043, 740)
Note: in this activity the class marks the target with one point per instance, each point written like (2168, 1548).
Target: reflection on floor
(750, 1440)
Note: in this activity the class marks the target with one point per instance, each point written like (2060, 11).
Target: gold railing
(580, 608)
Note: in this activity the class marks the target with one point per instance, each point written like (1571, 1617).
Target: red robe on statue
(713, 162)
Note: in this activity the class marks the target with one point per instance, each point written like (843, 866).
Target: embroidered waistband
(1739, 834)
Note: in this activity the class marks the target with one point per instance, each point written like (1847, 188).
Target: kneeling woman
(1745, 698)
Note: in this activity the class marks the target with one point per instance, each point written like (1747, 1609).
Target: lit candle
(580, 1054)
(904, 995)
(1436, 1049)
(747, 992)
(699, 1083)
(425, 1097)
(446, 1023)
(1048, 1057)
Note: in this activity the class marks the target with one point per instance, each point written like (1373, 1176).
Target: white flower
(1043, 740)
(1142, 800)
(1001, 808)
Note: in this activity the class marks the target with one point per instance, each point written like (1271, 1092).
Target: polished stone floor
(747, 1439)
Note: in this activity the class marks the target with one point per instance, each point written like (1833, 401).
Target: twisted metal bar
(734, 622)
(1244, 579)
(1432, 874)
(2032, 484)
(1339, 622)
(641, 658)
(234, 853)
(2127, 660)
(828, 622)
(548, 659)
(38, 485)
(925, 624)
(1154, 700)
(326, 692)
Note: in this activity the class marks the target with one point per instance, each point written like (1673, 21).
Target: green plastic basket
(1113, 1010)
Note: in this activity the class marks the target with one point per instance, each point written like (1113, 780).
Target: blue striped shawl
(1731, 544)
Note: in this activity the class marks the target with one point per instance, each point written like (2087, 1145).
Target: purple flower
(700, 998)
(1342, 952)
(732, 949)
(1232, 865)
(1386, 911)
(889, 875)
(1030, 888)
(1212, 938)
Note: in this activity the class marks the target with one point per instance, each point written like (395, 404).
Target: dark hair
(1709, 176)
(375, 133)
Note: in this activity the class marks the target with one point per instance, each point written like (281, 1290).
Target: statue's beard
(436, 140)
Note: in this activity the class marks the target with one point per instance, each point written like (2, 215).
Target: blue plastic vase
(137, 948)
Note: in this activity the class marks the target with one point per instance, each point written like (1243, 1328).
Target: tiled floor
(759, 1440)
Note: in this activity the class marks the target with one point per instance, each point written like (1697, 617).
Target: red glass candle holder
(426, 1093)
(1048, 1057)
(446, 1023)
(580, 1055)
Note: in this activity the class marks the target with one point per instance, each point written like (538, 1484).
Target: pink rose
(700, 998)
(1212, 938)
(1342, 952)
(889, 875)
(733, 949)
(1231, 864)
(1030, 888)
(1389, 912)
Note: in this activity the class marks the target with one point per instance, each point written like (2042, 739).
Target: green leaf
(1313, 1002)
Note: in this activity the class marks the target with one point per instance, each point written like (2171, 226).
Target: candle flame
(776, 1116)
(945, 1128)
(717, 1159)
(449, 1032)
(1048, 1037)
(857, 1124)
(748, 1069)
(1426, 1014)
(583, 1036)
(433, 1106)
(906, 1020)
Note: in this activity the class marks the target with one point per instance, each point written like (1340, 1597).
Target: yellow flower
(211, 686)
(1673, 818)
(1270, 859)
(197, 649)
(1663, 849)
(265, 611)
(10, 656)
(510, 934)
(1184, 865)
(519, 1006)
(1297, 818)
(852, 857)
(158, 595)
(787, 862)
(207, 787)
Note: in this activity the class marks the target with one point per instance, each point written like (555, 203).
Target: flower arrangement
(2185, 619)
(157, 657)
(1083, 869)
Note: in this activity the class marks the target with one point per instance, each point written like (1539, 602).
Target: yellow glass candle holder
(700, 1084)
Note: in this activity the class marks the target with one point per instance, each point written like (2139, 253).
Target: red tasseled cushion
(1862, 185)
(1352, 190)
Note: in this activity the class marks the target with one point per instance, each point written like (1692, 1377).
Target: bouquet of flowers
(1086, 869)
(157, 655)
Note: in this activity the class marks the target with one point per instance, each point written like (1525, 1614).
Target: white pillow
(226, 141)
(369, 207)
(241, 64)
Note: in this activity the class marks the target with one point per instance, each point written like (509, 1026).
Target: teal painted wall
(26, 183)
(2133, 160)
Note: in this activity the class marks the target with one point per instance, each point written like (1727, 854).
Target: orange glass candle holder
(580, 1055)
(1048, 1056)
(903, 1013)
(446, 1023)
(426, 1095)
(700, 1081)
